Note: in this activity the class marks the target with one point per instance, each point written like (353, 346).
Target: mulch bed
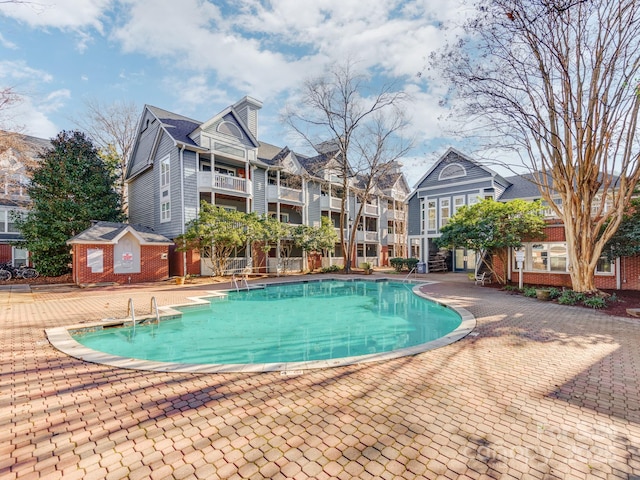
(624, 299)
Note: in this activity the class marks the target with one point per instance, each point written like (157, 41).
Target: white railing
(227, 182)
(235, 264)
(395, 214)
(370, 209)
(330, 202)
(224, 182)
(372, 260)
(367, 236)
(286, 193)
(291, 264)
(327, 262)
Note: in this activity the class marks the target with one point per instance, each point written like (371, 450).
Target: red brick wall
(152, 266)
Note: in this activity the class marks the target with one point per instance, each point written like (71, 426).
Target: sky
(197, 57)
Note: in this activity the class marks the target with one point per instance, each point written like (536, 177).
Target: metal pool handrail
(409, 274)
(131, 310)
(154, 308)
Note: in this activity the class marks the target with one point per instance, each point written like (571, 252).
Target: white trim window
(445, 211)
(474, 198)
(458, 202)
(165, 189)
(431, 215)
(554, 258)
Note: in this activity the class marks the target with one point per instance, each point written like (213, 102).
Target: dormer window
(453, 170)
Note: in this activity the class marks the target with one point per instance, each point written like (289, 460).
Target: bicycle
(8, 271)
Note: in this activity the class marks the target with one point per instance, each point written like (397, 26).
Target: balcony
(284, 193)
(226, 183)
(396, 214)
(399, 238)
(369, 209)
(367, 236)
(333, 203)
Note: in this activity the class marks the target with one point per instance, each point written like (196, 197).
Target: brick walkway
(538, 390)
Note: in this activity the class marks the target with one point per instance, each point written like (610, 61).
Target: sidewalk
(538, 390)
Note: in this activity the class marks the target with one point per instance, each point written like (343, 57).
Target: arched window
(229, 128)
(453, 170)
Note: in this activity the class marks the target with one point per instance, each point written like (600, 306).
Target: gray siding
(259, 191)
(413, 211)
(191, 196)
(142, 200)
(457, 189)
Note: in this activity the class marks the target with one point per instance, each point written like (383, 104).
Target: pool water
(285, 323)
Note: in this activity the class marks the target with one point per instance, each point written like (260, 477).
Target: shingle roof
(267, 152)
(522, 186)
(315, 165)
(178, 126)
(106, 232)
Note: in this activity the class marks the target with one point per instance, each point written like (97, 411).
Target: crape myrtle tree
(558, 81)
(219, 232)
(70, 186)
(222, 232)
(364, 122)
(492, 229)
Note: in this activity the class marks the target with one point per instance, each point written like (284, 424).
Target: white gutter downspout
(183, 214)
(618, 276)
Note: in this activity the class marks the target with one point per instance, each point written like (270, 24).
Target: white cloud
(7, 43)
(17, 71)
(62, 14)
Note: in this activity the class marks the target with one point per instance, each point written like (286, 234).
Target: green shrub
(594, 302)
(529, 292)
(569, 297)
(510, 288)
(411, 263)
(397, 263)
(330, 269)
(554, 293)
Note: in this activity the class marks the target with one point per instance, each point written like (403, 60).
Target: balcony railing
(395, 214)
(284, 193)
(224, 182)
(367, 236)
(330, 202)
(369, 209)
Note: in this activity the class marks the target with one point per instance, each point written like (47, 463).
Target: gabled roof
(316, 165)
(222, 114)
(111, 232)
(178, 127)
(463, 156)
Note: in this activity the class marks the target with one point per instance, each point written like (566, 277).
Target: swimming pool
(285, 326)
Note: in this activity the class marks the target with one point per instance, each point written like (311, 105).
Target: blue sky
(196, 57)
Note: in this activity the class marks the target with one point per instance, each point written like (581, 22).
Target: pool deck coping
(62, 339)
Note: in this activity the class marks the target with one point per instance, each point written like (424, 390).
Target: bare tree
(559, 81)
(112, 127)
(363, 125)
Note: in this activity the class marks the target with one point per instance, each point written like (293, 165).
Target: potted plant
(543, 293)
(180, 280)
(366, 266)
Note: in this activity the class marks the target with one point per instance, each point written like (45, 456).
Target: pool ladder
(242, 279)
(131, 311)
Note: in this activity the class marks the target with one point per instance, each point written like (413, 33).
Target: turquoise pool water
(285, 323)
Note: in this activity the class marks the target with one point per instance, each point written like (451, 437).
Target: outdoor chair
(481, 278)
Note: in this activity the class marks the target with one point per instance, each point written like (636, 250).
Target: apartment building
(456, 180)
(17, 152)
(177, 162)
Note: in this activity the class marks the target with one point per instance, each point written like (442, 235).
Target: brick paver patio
(538, 390)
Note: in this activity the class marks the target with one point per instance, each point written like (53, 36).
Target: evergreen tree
(70, 187)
